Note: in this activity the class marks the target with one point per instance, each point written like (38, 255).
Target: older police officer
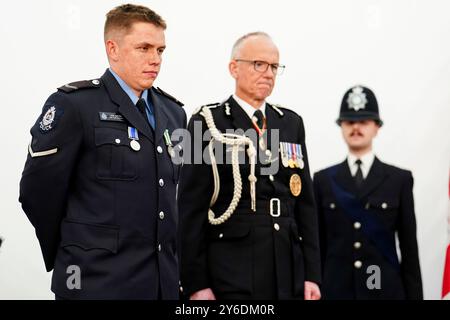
(253, 237)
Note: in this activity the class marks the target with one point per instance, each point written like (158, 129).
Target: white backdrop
(400, 49)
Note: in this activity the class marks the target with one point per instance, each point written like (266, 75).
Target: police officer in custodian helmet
(363, 204)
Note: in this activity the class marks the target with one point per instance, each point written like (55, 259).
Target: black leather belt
(274, 207)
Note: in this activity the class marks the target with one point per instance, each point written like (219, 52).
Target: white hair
(239, 42)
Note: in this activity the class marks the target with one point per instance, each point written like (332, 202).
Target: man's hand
(312, 291)
(204, 294)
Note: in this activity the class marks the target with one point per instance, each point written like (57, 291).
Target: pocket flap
(382, 203)
(229, 232)
(111, 136)
(89, 236)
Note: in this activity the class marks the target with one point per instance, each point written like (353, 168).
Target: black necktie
(258, 118)
(142, 106)
(359, 175)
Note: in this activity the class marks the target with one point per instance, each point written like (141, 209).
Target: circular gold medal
(295, 184)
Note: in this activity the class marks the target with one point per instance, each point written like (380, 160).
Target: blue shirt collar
(128, 90)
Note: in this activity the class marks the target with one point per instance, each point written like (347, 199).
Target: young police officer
(98, 184)
(363, 205)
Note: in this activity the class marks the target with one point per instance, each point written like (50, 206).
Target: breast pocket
(382, 205)
(385, 208)
(115, 159)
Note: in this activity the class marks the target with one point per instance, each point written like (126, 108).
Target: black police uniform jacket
(96, 203)
(352, 243)
(251, 255)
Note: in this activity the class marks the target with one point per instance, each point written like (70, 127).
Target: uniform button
(367, 206)
(181, 289)
(357, 245)
(384, 205)
(159, 247)
(271, 178)
(276, 226)
(358, 264)
(159, 149)
(96, 82)
(161, 215)
(300, 238)
(221, 235)
(332, 206)
(357, 225)
(161, 182)
(117, 141)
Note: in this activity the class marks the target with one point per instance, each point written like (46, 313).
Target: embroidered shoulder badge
(50, 119)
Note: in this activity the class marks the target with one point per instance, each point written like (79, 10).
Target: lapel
(239, 118)
(273, 122)
(126, 107)
(344, 178)
(375, 177)
(160, 114)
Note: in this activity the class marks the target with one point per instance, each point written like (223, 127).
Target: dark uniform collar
(160, 113)
(376, 176)
(131, 113)
(126, 107)
(238, 115)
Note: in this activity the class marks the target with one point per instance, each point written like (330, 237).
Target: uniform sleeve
(46, 178)
(306, 216)
(410, 266)
(196, 183)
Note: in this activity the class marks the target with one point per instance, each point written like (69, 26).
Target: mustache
(356, 133)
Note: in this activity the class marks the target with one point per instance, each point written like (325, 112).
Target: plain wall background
(399, 48)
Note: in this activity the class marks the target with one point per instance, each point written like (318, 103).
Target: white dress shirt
(367, 161)
(249, 110)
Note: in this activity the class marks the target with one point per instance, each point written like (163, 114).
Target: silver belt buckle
(277, 214)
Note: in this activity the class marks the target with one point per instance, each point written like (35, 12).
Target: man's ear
(112, 50)
(233, 68)
(376, 130)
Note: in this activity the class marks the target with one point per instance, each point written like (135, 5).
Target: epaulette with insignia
(158, 89)
(277, 108)
(70, 87)
(211, 105)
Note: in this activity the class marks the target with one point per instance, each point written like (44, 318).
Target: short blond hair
(124, 16)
